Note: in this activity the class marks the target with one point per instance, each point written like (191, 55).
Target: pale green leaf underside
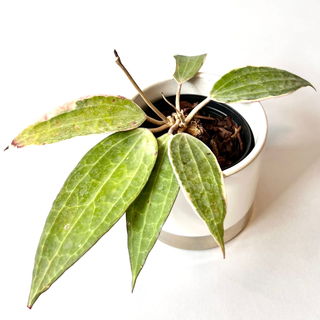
(94, 115)
(187, 67)
(201, 179)
(255, 84)
(93, 198)
(147, 214)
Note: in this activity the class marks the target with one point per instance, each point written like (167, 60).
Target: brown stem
(168, 102)
(182, 117)
(236, 131)
(178, 97)
(196, 109)
(154, 121)
(159, 129)
(178, 113)
(175, 126)
(203, 117)
(147, 101)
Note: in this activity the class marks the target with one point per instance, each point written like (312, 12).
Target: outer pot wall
(184, 228)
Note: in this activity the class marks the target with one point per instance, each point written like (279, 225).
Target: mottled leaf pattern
(130, 171)
(187, 67)
(95, 195)
(97, 114)
(147, 214)
(255, 83)
(201, 180)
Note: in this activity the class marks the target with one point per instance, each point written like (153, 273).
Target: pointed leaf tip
(147, 214)
(250, 84)
(187, 67)
(201, 180)
(84, 116)
(93, 198)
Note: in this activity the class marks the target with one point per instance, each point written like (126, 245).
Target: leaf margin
(198, 61)
(154, 180)
(187, 195)
(214, 92)
(74, 111)
(33, 298)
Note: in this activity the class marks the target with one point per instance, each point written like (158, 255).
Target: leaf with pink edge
(92, 115)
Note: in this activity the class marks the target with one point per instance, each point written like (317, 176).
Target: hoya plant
(133, 172)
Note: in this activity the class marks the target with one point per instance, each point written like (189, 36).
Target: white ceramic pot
(184, 228)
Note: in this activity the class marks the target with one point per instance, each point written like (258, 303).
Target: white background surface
(53, 52)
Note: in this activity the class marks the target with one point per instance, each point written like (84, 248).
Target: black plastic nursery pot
(215, 109)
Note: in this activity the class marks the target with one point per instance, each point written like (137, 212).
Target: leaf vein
(48, 233)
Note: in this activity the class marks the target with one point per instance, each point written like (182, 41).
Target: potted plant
(133, 172)
(184, 228)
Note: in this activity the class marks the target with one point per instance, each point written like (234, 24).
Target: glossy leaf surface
(187, 67)
(255, 83)
(93, 198)
(97, 114)
(147, 214)
(201, 180)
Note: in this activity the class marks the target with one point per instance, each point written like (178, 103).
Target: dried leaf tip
(116, 53)
(6, 148)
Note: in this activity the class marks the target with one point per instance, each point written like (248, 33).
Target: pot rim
(257, 149)
(262, 137)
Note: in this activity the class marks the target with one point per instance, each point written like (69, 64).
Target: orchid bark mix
(132, 172)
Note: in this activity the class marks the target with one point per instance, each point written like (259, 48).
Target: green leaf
(255, 84)
(201, 180)
(93, 198)
(187, 67)
(97, 114)
(147, 214)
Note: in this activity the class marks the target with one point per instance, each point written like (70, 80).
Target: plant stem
(236, 131)
(178, 113)
(178, 97)
(159, 129)
(168, 102)
(175, 126)
(203, 117)
(147, 101)
(154, 121)
(196, 109)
